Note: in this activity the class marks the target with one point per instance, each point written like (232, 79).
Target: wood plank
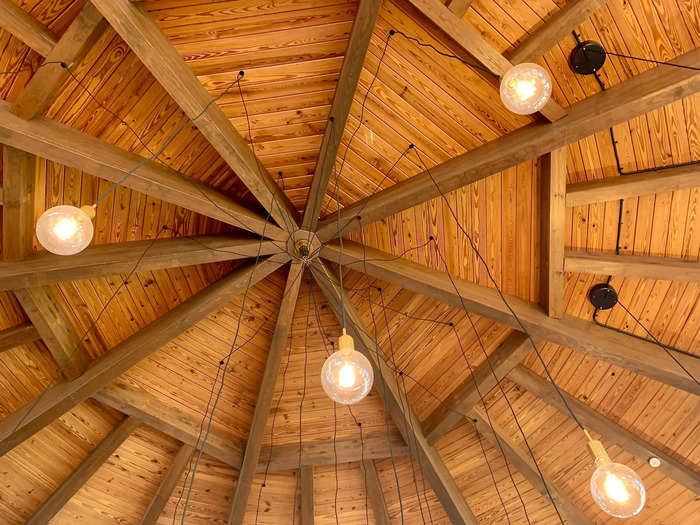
(610, 430)
(661, 268)
(362, 29)
(580, 335)
(387, 387)
(133, 23)
(102, 260)
(167, 485)
(70, 49)
(19, 179)
(459, 7)
(647, 91)
(18, 335)
(23, 26)
(554, 29)
(267, 387)
(84, 472)
(62, 397)
(375, 493)
(627, 186)
(51, 140)
(522, 461)
(307, 495)
(467, 395)
(553, 226)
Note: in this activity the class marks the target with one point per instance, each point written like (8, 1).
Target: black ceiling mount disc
(603, 296)
(587, 57)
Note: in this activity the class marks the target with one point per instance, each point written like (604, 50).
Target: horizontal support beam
(25, 27)
(660, 268)
(18, 335)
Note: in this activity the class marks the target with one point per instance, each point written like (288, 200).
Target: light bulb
(347, 375)
(525, 88)
(65, 230)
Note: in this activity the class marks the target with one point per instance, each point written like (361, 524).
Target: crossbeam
(661, 268)
(24, 26)
(18, 335)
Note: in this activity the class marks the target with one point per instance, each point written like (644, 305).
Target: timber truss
(25, 134)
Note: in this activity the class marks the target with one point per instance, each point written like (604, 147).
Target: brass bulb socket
(89, 210)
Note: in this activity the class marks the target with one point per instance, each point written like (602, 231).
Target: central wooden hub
(303, 245)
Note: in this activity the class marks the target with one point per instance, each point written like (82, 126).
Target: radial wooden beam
(51, 140)
(362, 28)
(608, 429)
(483, 378)
(375, 493)
(661, 268)
(70, 50)
(555, 28)
(167, 485)
(458, 7)
(627, 186)
(18, 335)
(522, 461)
(24, 26)
(470, 40)
(43, 268)
(580, 335)
(133, 23)
(19, 179)
(307, 495)
(267, 387)
(633, 97)
(60, 398)
(84, 472)
(387, 387)
(553, 226)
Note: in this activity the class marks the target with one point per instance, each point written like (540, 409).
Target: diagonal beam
(18, 335)
(267, 387)
(633, 97)
(580, 335)
(362, 28)
(307, 494)
(373, 488)
(593, 420)
(661, 268)
(60, 398)
(59, 143)
(22, 25)
(84, 472)
(43, 268)
(133, 23)
(432, 465)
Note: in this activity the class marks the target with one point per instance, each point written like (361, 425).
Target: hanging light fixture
(66, 230)
(346, 375)
(525, 88)
(616, 488)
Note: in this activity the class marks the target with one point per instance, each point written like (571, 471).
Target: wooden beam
(627, 186)
(59, 143)
(133, 23)
(43, 268)
(553, 226)
(645, 92)
(19, 179)
(18, 335)
(70, 50)
(459, 7)
(22, 25)
(387, 387)
(60, 398)
(362, 29)
(661, 268)
(167, 485)
(84, 472)
(470, 41)
(554, 29)
(466, 396)
(267, 387)
(307, 495)
(575, 333)
(522, 461)
(593, 420)
(375, 493)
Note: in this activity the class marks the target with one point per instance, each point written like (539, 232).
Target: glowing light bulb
(525, 88)
(65, 230)
(615, 489)
(347, 375)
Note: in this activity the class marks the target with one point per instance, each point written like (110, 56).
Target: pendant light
(525, 88)
(66, 230)
(346, 375)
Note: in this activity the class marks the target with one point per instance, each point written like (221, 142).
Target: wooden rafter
(19, 176)
(267, 386)
(375, 494)
(387, 387)
(662, 268)
(18, 335)
(572, 332)
(22, 25)
(307, 494)
(362, 28)
(600, 424)
(642, 93)
(133, 23)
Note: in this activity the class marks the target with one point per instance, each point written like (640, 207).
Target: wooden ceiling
(204, 311)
